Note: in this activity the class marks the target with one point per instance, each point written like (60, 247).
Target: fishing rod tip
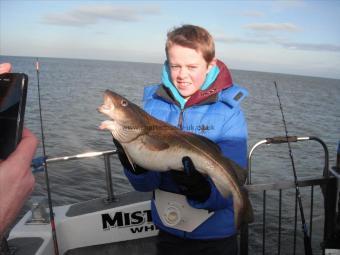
(37, 64)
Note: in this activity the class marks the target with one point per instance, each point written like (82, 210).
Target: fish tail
(243, 210)
(248, 216)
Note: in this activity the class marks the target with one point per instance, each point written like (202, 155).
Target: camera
(13, 93)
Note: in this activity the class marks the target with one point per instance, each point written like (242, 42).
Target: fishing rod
(38, 163)
(306, 238)
(54, 232)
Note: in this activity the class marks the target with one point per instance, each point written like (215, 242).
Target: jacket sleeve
(144, 182)
(233, 143)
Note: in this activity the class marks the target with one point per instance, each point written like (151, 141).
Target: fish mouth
(107, 108)
(104, 108)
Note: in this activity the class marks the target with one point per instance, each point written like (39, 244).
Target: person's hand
(135, 169)
(191, 183)
(16, 179)
(5, 68)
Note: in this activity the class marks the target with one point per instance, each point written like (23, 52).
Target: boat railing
(326, 181)
(328, 186)
(108, 174)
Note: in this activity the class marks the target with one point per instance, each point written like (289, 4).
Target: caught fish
(158, 146)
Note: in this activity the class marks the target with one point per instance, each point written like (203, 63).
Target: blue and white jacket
(214, 112)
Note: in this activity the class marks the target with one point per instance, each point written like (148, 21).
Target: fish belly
(171, 159)
(163, 160)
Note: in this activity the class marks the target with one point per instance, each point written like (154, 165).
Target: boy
(196, 95)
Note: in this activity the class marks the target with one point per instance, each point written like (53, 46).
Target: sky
(294, 37)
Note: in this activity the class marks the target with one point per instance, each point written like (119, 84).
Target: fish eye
(124, 102)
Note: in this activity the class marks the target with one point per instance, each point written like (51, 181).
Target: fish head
(126, 119)
(112, 104)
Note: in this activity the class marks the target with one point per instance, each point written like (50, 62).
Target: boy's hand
(191, 183)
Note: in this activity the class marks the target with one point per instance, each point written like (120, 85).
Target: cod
(158, 146)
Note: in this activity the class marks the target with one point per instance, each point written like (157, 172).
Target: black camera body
(13, 93)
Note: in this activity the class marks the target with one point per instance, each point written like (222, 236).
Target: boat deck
(29, 245)
(276, 226)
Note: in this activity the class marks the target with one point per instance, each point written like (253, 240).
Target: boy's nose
(183, 72)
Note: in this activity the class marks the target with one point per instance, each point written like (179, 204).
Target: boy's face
(188, 69)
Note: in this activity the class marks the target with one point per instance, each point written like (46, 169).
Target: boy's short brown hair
(193, 37)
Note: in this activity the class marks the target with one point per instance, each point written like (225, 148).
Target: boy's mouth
(183, 85)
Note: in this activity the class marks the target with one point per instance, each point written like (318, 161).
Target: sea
(72, 89)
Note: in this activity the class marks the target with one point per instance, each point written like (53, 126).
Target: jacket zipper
(180, 120)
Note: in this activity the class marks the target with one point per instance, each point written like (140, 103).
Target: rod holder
(38, 206)
(108, 177)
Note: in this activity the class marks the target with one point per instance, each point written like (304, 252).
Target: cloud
(88, 15)
(272, 27)
(263, 32)
(283, 6)
(252, 14)
(271, 39)
(311, 46)
(233, 40)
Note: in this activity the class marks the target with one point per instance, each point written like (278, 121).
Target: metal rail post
(109, 188)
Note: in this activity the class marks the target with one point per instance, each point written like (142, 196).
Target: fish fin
(210, 143)
(240, 172)
(128, 158)
(130, 161)
(206, 141)
(154, 144)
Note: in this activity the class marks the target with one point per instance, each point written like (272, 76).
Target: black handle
(281, 139)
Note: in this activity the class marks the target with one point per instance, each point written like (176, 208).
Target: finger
(5, 68)
(25, 150)
(188, 165)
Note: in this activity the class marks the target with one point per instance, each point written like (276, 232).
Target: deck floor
(144, 246)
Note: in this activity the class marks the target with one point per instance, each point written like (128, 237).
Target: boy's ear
(212, 64)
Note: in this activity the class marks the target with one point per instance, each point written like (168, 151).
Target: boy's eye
(192, 67)
(174, 67)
